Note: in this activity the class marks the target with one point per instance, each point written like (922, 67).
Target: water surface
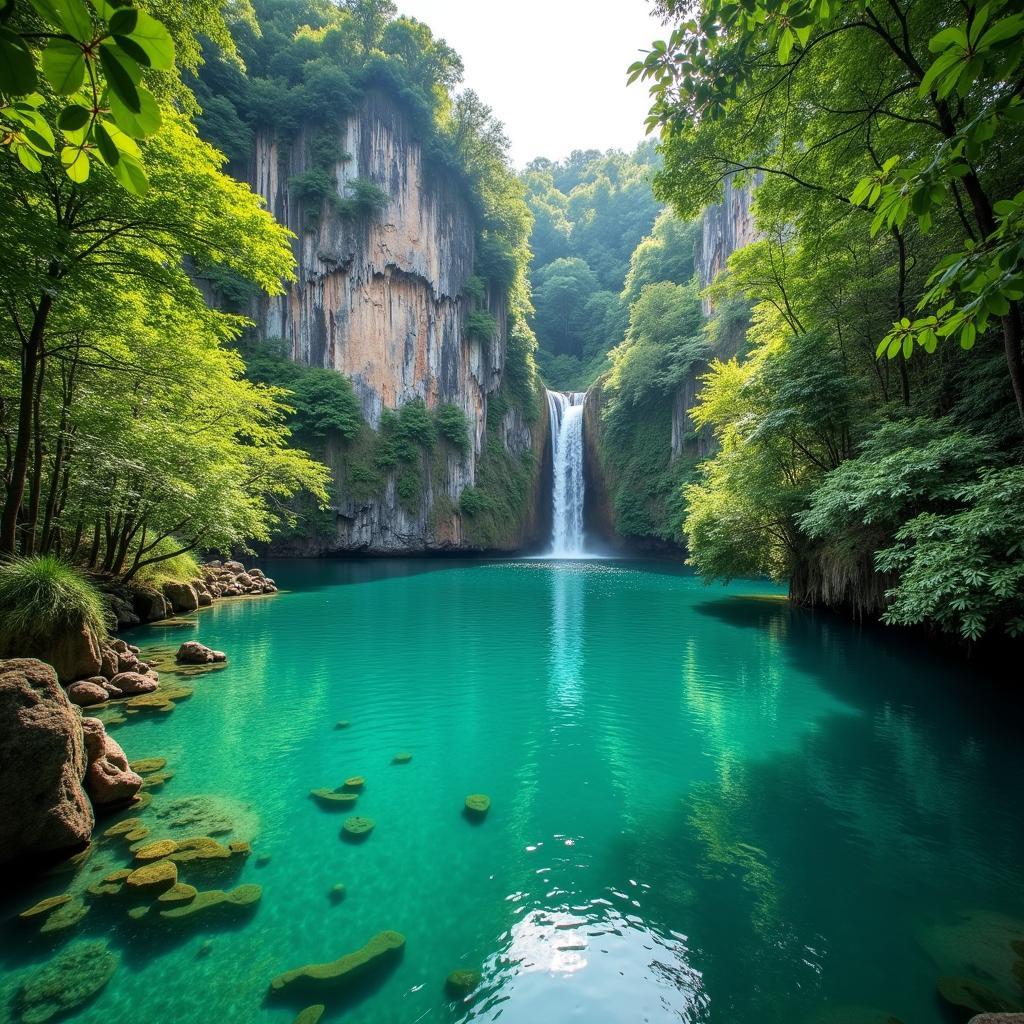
(706, 806)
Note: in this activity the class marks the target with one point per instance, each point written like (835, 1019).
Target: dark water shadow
(303, 574)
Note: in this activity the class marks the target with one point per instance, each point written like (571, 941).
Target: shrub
(473, 501)
(364, 199)
(453, 425)
(177, 568)
(42, 596)
(480, 325)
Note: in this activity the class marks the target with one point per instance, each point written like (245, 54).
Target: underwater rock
(65, 916)
(337, 893)
(477, 805)
(382, 950)
(147, 765)
(462, 982)
(180, 892)
(44, 906)
(133, 684)
(311, 1014)
(971, 997)
(198, 848)
(354, 783)
(217, 900)
(194, 653)
(42, 764)
(108, 779)
(205, 949)
(343, 724)
(156, 850)
(137, 913)
(127, 829)
(85, 693)
(402, 758)
(357, 828)
(156, 701)
(156, 779)
(67, 982)
(334, 799)
(852, 1015)
(240, 849)
(209, 815)
(153, 878)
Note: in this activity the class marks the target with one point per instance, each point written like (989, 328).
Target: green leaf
(939, 66)
(76, 163)
(130, 174)
(908, 346)
(72, 16)
(64, 66)
(123, 21)
(894, 347)
(73, 117)
(28, 159)
(122, 74)
(154, 38)
(946, 38)
(108, 151)
(882, 346)
(968, 335)
(17, 69)
(786, 40)
(1002, 31)
(138, 125)
(128, 46)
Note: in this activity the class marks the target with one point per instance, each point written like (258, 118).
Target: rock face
(42, 764)
(381, 298)
(75, 654)
(108, 779)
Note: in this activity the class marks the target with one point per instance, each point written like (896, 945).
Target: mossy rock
(357, 828)
(216, 900)
(198, 848)
(45, 906)
(117, 876)
(122, 828)
(141, 801)
(311, 1014)
(382, 950)
(477, 805)
(240, 849)
(354, 783)
(155, 877)
(156, 850)
(137, 913)
(147, 765)
(66, 983)
(333, 799)
(105, 888)
(156, 780)
(462, 982)
(209, 815)
(971, 997)
(137, 834)
(65, 916)
(402, 758)
(337, 893)
(180, 892)
(155, 701)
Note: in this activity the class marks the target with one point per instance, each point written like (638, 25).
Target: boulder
(194, 653)
(74, 654)
(42, 764)
(85, 693)
(127, 661)
(122, 610)
(234, 567)
(182, 596)
(108, 661)
(108, 779)
(151, 605)
(132, 683)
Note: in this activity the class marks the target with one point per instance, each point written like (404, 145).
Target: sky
(554, 71)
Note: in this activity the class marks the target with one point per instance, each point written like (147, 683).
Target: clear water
(707, 807)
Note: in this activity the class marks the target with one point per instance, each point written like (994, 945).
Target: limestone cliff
(380, 296)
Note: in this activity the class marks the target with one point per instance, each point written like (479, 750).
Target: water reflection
(565, 689)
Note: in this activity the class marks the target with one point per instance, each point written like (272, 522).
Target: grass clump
(41, 596)
(178, 568)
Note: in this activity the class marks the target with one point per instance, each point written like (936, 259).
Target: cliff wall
(380, 297)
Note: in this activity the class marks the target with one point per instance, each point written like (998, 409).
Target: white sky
(552, 70)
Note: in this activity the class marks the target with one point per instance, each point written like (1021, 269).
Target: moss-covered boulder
(198, 848)
(122, 828)
(383, 950)
(477, 806)
(66, 983)
(333, 799)
(214, 902)
(357, 828)
(240, 849)
(45, 906)
(153, 878)
(354, 783)
(461, 983)
(311, 1014)
(404, 757)
(969, 997)
(180, 892)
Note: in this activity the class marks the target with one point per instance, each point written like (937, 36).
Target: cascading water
(566, 411)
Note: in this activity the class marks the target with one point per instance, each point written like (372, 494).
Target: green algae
(382, 950)
(122, 828)
(198, 848)
(311, 1014)
(154, 877)
(357, 828)
(461, 983)
(156, 850)
(148, 765)
(44, 906)
(67, 982)
(180, 892)
(65, 916)
(214, 901)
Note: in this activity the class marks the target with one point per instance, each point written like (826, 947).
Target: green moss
(357, 828)
(66, 983)
(180, 892)
(477, 805)
(45, 906)
(215, 901)
(198, 848)
(311, 1014)
(156, 850)
(462, 982)
(147, 765)
(65, 916)
(153, 878)
(383, 949)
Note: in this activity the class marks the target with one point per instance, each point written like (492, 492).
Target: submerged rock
(311, 1014)
(42, 764)
(85, 693)
(477, 805)
(209, 815)
(337, 893)
(216, 900)
(333, 798)
(66, 983)
(180, 892)
(194, 653)
(354, 783)
(156, 850)
(148, 765)
(131, 684)
(198, 848)
(382, 950)
(357, 828)
(403, 758)
(972, 997)
(153, 878)
(462, 982)
(65, 916)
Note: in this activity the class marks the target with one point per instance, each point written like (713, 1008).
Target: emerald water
(706, 806)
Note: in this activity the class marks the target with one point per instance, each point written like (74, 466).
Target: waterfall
(566, 412)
